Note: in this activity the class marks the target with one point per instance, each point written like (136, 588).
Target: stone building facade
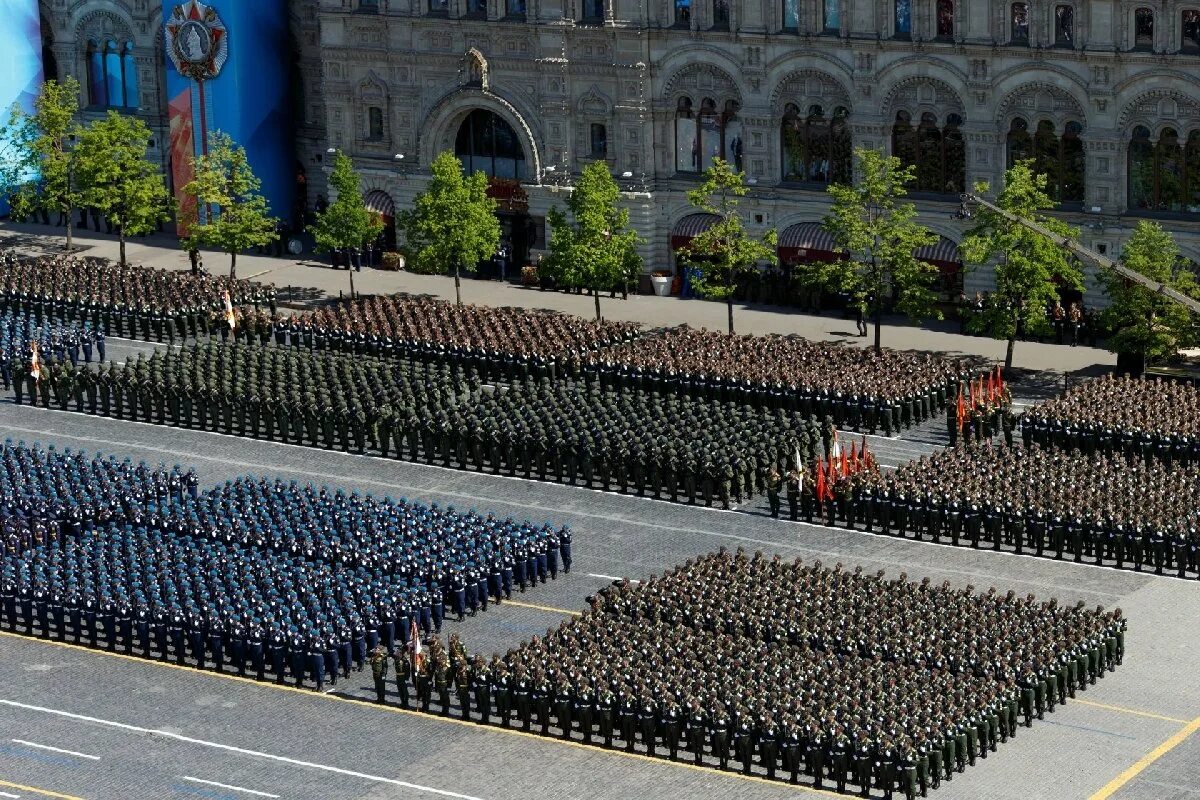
(1104, 93)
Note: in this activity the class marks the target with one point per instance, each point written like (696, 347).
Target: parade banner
(20, 71)
(227, 70)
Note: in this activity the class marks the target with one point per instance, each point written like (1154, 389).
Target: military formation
(858, 388)
(790, 671)
(671, 447)
(1135, 417)
(129, 301)
(256, 576)
(1101, 509)
(497, 342)
(55, 342)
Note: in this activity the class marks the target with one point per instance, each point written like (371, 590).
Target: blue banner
(228, 70)
(20, 67)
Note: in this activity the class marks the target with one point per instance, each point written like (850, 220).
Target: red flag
(414, 645)
(962, 407)
(820, 482)
(35, 364)
(846, 462)
(854, 456)
(229, 317)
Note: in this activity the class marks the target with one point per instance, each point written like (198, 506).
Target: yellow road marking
(1134, 711)
(364, 703)
(1154, 755)
(42, 792)
(551, 609)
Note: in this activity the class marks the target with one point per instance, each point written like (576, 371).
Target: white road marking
(239, 750)
(55, 749)
(13, 796)
(254, 792)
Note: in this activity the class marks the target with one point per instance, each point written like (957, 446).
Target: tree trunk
(352, 283)
(121, 235)
(457, 285)
(729, 308)
(70, 213)
(596, 295)
(233, 265)
(878, 327)
(1018, 326)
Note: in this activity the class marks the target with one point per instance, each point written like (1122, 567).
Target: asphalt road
(132, 729)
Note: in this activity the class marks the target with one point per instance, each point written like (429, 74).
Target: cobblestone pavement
(156, 732)
(308, 281)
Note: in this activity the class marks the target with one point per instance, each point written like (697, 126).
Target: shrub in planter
(529, 275)
(393, 262)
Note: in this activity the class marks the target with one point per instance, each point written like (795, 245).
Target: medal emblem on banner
(197, 41)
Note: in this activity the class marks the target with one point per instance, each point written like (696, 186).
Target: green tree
(724, 253)
(1029, 268)
(41, 145)
(598, 251)
(879, 235)
(1142, 321)
(225, 187)
(117, 178)
(452, 224)
(346, 223)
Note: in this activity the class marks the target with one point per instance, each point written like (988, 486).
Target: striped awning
(944, 252)
(380, 202)
(690, 227)
(806, 241)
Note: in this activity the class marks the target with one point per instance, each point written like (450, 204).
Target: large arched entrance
(685, 230)
(946, 257)
(801, 246)
(381, 203)
(487, 143)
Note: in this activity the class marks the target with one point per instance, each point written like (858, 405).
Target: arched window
(939, 154)
(1064, 26)
(720, 18)
(1019, 142)
(374, 123)
(1164, 175)
(1189, 24)
(593, 11)
(113, 75)
(1019, 16)
(129, 70)
(1143, 29)
(477, 9)
(945, 19)
(1059, 157)
(599, 141)
(791, 15)
(439, 6)
(486, 143)
(514, 9)
(903, 9)
(815, 147)
(49, 61)
(97, 81)
(833, 16)
(710, 133)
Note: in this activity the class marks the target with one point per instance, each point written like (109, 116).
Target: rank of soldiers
(1103, 509)
(54, 342)
(131, 301)
(675, 448)
(498, 342)
(859, 389)
(1136, 417)
(255, 576)
(786, 670)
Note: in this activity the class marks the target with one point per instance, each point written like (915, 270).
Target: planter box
(662, 286)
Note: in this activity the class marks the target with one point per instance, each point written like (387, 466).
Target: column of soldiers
(981, 410)
(55, 341)
(1101, 509)
(131, 301)
(1131, 417)
(858, 388)
(674, 448)
(790, 671)
(497, 342)
(256, 576)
